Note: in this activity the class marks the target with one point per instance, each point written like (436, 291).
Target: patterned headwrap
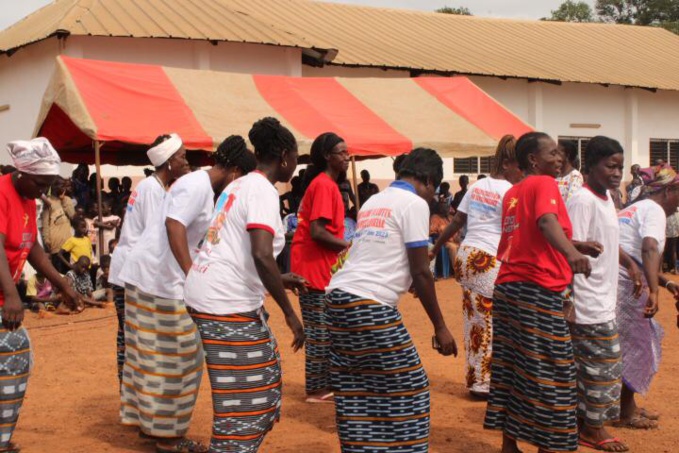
(658, 177)
(34, 157)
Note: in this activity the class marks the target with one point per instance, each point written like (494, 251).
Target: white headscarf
(34, 157)
(159, 154)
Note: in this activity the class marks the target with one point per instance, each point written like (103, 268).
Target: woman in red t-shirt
(315, 246)
(533, 394)
(37, 166)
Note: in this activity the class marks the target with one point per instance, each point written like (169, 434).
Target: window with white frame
(581, 143)
(473, 165)
(665, 149)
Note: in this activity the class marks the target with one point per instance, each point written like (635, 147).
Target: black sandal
(183, 446)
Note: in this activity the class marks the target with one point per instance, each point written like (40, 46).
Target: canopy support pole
(355, 183)
(97, 164)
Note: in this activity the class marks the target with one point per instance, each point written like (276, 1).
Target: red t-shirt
(18, 224)
(525, 254)
(322, 200)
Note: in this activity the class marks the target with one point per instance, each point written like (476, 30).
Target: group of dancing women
(558, 295)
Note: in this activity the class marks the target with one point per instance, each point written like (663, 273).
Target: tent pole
(355, 181)
(97, 163)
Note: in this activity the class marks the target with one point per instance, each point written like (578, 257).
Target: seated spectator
(40, 294)
(103, 288)
(81, 283)
(79, 245)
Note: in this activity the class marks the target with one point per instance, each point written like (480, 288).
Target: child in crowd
(79, 245)
(81, 283)
(40, 294)
(103, 291)
(109, 223)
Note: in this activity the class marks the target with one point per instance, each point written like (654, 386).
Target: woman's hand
(651, 305)
(579, 263)
(12, 312)
(446, 342)
(635, 275)
(589, 248)
(297, 330)
(295, 283)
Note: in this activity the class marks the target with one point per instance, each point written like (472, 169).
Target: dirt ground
(72, 400)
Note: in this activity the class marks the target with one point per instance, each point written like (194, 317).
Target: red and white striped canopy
(127, 105)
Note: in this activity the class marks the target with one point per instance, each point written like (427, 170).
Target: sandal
(637, 422)
(183, 446)
(601, 446)
(11, 448)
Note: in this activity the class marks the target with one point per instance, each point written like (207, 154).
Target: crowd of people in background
(560, 277)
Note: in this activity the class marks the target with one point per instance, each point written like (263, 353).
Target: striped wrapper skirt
(16, 361)
(381, 389)
(245, 375)
(163, 365)
(533, 395)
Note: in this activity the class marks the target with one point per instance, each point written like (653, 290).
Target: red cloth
(18, 224)
(308, 258)
(525, 254)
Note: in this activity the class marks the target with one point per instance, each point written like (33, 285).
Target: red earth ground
(72, 400)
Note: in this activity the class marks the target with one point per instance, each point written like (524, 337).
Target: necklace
(162, 184)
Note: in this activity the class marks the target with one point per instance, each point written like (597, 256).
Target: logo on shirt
(626, 216)
(132, 201)
(224, 205)
(553, 201)
(26, 219)
(513, 202)
(484, 200)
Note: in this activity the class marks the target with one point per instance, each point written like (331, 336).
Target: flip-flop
(601, 446)
(183, 446)
(328, 398)
(637, 422)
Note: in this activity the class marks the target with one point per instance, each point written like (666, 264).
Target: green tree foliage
(461, 11)
(572, 11)
(639, 12)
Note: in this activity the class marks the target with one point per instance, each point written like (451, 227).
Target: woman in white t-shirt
(642, 237)
(143, 205)
(225, 291)
(591, 318)
(476, 266)
(381, 389)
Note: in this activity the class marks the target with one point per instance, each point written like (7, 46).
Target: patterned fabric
(476, 271)
(672, 228)
(640, 337)
(317, 346)
(245, 376)
(533, 396)
(163, 365)
(598, 362)
(15, 365)
(381, 389)
(81, 284)
(119, 302)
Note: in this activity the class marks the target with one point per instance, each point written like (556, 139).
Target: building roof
(645, 57)
(187, 19)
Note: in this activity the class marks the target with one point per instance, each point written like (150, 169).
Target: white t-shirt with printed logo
(595, 219)
(643, 219)
(151, 266)
(223, 279)
(145, 202)
(377, 265)
(483, 205)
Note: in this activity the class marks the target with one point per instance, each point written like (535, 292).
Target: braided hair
(323, 145)
(270, 138)
(424, 165)
(233, 152)
(505, 152)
